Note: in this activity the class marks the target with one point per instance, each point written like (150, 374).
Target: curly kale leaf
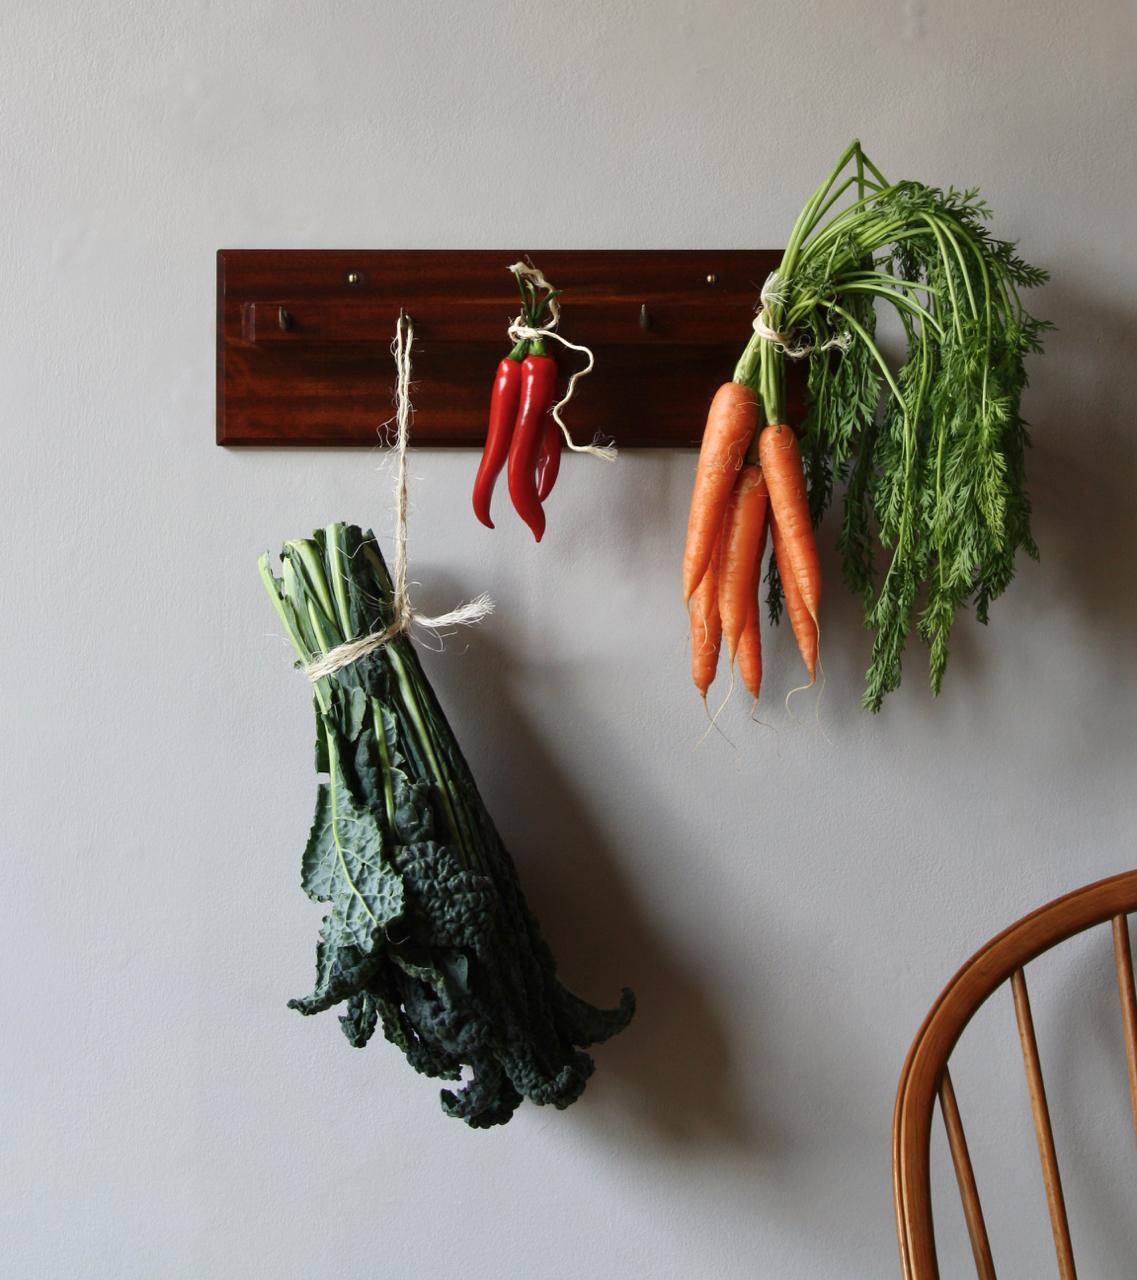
(343, 864)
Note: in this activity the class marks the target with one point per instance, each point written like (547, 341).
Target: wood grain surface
(303, 340)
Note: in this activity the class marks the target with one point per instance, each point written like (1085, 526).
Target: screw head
(353, 277)
(712, 278)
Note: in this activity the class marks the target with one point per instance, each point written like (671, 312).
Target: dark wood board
(327, 377)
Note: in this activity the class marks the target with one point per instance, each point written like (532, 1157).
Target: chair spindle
(965, 1176)
(1044, 1133)
(1124, 960)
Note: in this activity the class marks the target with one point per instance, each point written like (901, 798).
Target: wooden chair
(925, 1075)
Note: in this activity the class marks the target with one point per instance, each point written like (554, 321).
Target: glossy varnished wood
(1043, 1130)
(303, 354)
(965, 1176)
(1123, 959)
(924, 1069)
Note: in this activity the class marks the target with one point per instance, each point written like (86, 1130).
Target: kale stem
(336, 571)
(312, 572)
(385, 765)
(324, 641)
(426, 742)
(273, 587)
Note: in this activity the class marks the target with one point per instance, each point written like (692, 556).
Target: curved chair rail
(925, 1072)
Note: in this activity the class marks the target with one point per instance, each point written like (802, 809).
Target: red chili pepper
(538, 382)
(549, 458)
(504, 400)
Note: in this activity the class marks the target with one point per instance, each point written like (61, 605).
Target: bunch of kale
(428, 933)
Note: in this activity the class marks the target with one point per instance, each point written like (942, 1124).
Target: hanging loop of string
(519, 331)
(774, 294)
(403, 613)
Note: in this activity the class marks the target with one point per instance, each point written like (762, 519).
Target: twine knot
(774, 293)
(518, 331)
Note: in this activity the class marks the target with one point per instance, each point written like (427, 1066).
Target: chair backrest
(925, 1076)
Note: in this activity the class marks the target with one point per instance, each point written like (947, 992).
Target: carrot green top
(932, 451)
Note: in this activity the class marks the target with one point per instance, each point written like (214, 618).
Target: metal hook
(284, 319)
(645, 319)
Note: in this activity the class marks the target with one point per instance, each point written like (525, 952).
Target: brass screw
(712, 278)
(353, 277)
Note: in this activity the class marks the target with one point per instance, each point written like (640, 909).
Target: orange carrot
(743, 540)
(706, 626)
(781, 464)
(805, 628)
(750, 651)
(731, 422)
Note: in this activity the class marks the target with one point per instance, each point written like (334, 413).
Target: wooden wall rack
(303, 339)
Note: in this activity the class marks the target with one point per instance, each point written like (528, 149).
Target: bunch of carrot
(931, 454)
(749, 482)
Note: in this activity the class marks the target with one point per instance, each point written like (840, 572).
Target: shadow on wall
(673, 1066)
(1082, 465)
(1081, 471)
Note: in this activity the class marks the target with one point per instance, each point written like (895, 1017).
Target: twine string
(519, 331)
(404, 615)
(774, 294)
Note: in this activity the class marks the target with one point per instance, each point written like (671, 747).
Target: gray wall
(787, 903)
